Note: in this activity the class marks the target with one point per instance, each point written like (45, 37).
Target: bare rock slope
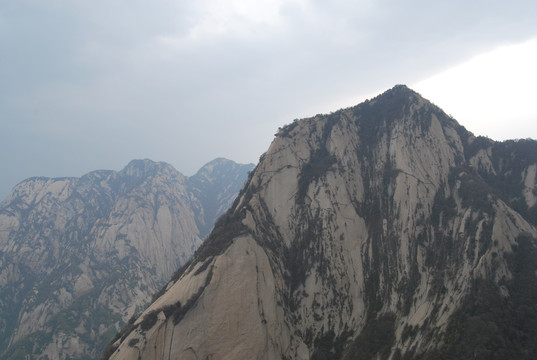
(381, 231)
(80, 256)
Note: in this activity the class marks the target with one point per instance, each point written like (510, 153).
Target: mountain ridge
(80, 256)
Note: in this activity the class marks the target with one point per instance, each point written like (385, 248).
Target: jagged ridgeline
(80, 256)
(381, 231)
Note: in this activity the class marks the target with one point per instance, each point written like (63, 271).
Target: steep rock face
(80, 256)
(366, 233)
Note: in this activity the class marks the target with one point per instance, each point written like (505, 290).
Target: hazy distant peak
(216, 185)
(92, 249)
(145, 167)
(216, 168)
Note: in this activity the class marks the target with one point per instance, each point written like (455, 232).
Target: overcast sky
(88, 85)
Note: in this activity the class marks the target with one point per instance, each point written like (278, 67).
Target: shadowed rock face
(80, 256)
(378, 231)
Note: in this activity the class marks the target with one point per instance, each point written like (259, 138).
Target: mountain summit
(381, 231)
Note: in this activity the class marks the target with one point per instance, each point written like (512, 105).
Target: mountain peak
(398, 95)
(143, 167)
(371, 231)
(400, 89)
(401, 93)
(215, 167)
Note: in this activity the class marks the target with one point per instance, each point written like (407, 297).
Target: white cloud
(213, 19)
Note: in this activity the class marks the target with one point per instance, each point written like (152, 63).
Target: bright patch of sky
(493, 94)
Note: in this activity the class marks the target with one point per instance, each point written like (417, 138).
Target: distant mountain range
(80, 256)
(381, 231)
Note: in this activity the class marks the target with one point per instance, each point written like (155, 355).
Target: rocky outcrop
(384, 230)
(80, 256)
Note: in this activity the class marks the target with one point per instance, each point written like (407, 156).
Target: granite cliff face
(381, 231)
(80, 256)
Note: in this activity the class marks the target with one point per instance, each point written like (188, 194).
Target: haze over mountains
(80, 256)
(381, 231)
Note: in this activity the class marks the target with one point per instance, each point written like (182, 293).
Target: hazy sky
(88, 85)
